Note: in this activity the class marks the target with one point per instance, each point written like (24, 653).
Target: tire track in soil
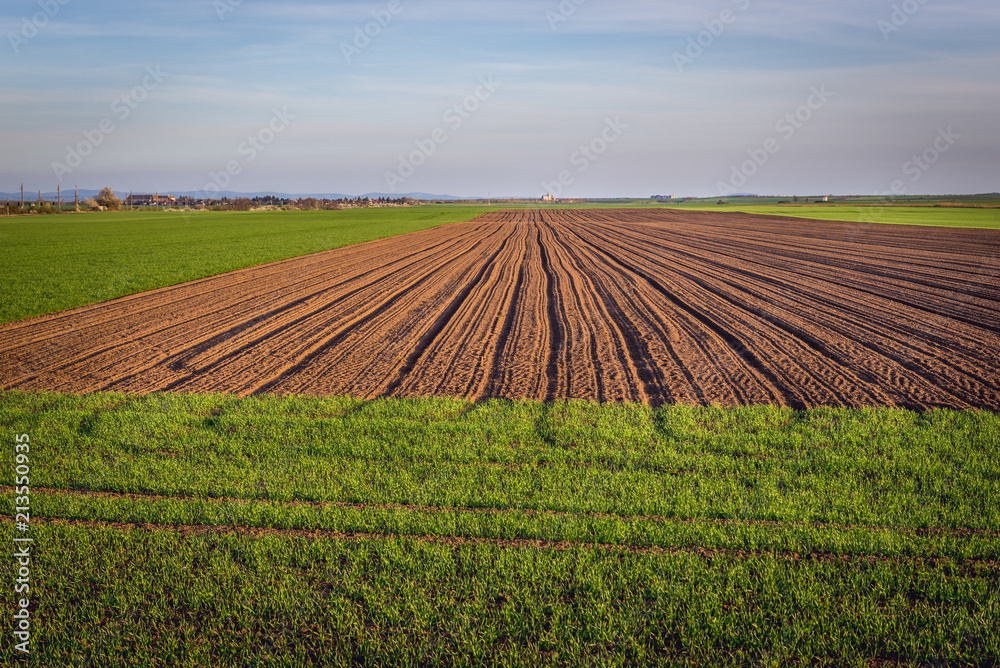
(581, 319)
(776, 339)
(374, 350)
(557, 335)
(660, 519)
(834, 331)
(737, 346)
(658, 306)
(238, 314)
(300, 342)
(454, 354)
(971, 567)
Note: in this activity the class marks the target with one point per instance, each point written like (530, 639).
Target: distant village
(108, 200)
(72, 202)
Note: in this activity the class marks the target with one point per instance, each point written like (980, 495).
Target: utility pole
(58, 199)
(76, 199)
(22, 198)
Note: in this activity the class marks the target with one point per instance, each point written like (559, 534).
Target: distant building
(150, 200)
(548, 198)
(662, 197)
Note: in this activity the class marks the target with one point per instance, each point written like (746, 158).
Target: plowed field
(652, 306)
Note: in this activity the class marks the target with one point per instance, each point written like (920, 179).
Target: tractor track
(652, 306)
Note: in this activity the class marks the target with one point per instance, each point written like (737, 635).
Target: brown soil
(651, 306)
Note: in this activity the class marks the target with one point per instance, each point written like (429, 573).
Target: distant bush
(91, 204)
(109, 200)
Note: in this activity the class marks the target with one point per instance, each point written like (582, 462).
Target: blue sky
(260, 95)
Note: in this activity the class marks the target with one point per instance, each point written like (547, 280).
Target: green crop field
(290, 531)
(984, 218)
(53, 263)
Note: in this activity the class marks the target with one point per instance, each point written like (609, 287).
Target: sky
(576, 98)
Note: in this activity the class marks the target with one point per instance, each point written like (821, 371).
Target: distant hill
(67, 195)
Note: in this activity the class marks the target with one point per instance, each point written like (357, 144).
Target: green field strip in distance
(857, 217)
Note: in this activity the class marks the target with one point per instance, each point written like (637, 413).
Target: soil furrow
(661, 519)
(972, 567)
(658, 306)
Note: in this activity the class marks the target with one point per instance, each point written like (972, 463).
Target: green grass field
(895, 215)
(52, 263)
(214, 530)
